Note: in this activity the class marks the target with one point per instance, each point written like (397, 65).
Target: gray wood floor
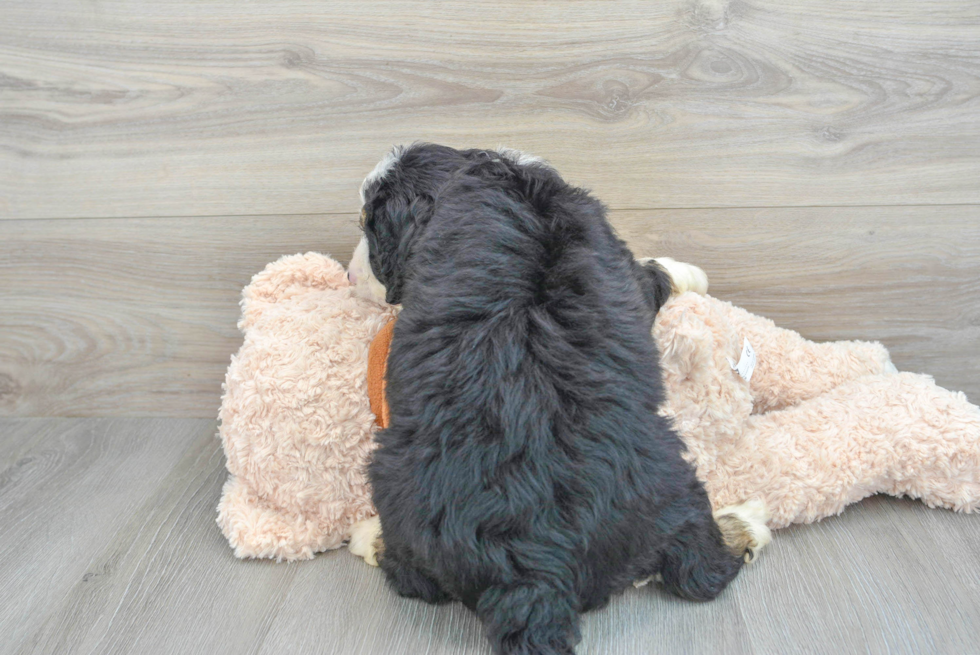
(109, 545)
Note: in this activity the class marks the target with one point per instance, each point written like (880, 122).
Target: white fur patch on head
(520, 157)
(381, 169)
(359, 272)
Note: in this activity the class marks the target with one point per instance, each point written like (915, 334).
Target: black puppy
(526, 471)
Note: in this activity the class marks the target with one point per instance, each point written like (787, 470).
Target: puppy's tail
(529, 618)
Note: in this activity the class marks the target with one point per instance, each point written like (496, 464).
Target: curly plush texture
(296, 424)
(820, 426)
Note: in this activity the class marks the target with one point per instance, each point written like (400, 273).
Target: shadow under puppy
(525, 471)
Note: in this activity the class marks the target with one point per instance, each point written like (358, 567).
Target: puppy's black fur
(526, 471)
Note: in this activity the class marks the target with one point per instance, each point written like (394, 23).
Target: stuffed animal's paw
(365, 540)
(744, 528)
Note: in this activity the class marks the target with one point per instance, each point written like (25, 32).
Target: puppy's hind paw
(658, 578)
(365, 540)
(744, 528)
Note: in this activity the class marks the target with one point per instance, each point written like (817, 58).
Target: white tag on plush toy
(746, 363)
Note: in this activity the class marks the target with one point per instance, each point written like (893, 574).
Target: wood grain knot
(298, 57)
(829, 135)
(710, 15)
(715, 66)
(607, 93)
(9, 387)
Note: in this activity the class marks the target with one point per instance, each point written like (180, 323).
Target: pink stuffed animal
(295, 419)
(818, 426)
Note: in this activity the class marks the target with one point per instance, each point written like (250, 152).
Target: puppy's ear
(391, 231)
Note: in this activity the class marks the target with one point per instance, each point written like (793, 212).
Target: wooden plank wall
(820, 160)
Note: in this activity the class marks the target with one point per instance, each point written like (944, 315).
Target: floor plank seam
(612, 210)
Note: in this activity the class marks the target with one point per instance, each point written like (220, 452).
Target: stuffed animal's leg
(936, 435)
(898, 434)
(790, 369)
